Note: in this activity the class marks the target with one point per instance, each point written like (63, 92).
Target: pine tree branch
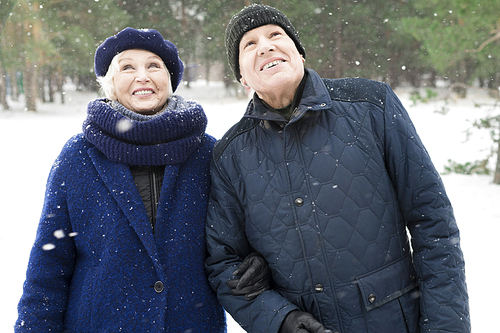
(490, 40)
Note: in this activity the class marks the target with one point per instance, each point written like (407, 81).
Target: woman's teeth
(143, 92)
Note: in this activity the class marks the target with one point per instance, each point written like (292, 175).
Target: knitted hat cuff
(249, 18)
(144, 39)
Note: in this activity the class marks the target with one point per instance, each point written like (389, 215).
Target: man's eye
(274, 34)
(250, 43)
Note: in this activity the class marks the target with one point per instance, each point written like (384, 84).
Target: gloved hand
(254, 277)
(301, 322)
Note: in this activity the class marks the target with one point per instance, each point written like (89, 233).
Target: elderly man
(323, 178)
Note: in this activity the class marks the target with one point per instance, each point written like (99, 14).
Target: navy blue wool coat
(327, 198)
(96, 265)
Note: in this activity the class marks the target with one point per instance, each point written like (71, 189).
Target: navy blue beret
(145, 39)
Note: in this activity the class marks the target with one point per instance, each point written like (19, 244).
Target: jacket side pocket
(387, 284)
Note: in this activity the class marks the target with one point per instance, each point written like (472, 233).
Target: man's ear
(243, 82)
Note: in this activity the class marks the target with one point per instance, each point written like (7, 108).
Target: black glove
(254, 277)
(300, 322)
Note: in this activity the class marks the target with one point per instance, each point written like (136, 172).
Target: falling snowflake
(48, 247)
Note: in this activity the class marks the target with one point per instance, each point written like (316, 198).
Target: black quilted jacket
(327, 199)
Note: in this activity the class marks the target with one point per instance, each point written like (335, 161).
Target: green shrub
(468, 168)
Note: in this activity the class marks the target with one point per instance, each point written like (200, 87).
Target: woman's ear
(243, 82)
(112, 95)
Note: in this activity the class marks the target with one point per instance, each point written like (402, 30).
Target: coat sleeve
(45, 293)
(227, 246)
(429, 217)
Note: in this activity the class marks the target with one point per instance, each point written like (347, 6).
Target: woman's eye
(124, 68)
(154, 65)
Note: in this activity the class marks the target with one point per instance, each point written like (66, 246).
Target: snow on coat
(96, 265)
(327, 199)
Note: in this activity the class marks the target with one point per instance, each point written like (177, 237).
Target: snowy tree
(450, 32)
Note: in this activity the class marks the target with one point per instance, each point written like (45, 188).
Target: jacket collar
(314, 98)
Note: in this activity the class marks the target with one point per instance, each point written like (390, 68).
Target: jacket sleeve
(44, 300)
(227, 246)
(429, 217)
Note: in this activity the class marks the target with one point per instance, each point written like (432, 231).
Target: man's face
(269, 60)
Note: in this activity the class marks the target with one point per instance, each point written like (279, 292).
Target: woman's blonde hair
(107, 81)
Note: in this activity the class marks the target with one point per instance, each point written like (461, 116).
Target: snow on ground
(31, 141)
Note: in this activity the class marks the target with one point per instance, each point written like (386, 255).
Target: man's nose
(266, 46)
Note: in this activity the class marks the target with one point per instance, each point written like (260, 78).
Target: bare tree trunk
(207, 71)
(60, 84)
(14, 85)
(30, 86)
(496, 178)
(184, 24)
(41, 86)
(433, 78)
(459, 83)
(50, 79)
(3, 89)
(32, 60)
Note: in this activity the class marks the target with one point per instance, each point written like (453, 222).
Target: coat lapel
(119, 181)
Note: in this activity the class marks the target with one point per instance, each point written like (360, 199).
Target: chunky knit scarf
(166, 138)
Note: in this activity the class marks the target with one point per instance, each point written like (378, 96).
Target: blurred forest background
(411, 43)
(44, 42)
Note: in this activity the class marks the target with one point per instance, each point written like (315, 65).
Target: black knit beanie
(252, 17)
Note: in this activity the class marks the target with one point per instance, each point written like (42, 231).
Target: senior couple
(299, 214)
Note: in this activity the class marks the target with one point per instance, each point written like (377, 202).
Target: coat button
(299, 202)
(319, 288)
(158, 286)
(372, 298)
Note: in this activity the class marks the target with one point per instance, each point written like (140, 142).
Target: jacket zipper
(153, 178)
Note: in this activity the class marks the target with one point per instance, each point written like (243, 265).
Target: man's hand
(301, 322)
(254, 277)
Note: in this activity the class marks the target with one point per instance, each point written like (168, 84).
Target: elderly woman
(121, 244)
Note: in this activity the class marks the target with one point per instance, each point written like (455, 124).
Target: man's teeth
(272, 64)
(143, 92)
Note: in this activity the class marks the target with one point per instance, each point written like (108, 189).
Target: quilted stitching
(362, 174)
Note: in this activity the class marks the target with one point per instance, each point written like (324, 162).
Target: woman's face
(142, 83)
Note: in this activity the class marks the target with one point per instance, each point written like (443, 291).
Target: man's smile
(272, 64)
